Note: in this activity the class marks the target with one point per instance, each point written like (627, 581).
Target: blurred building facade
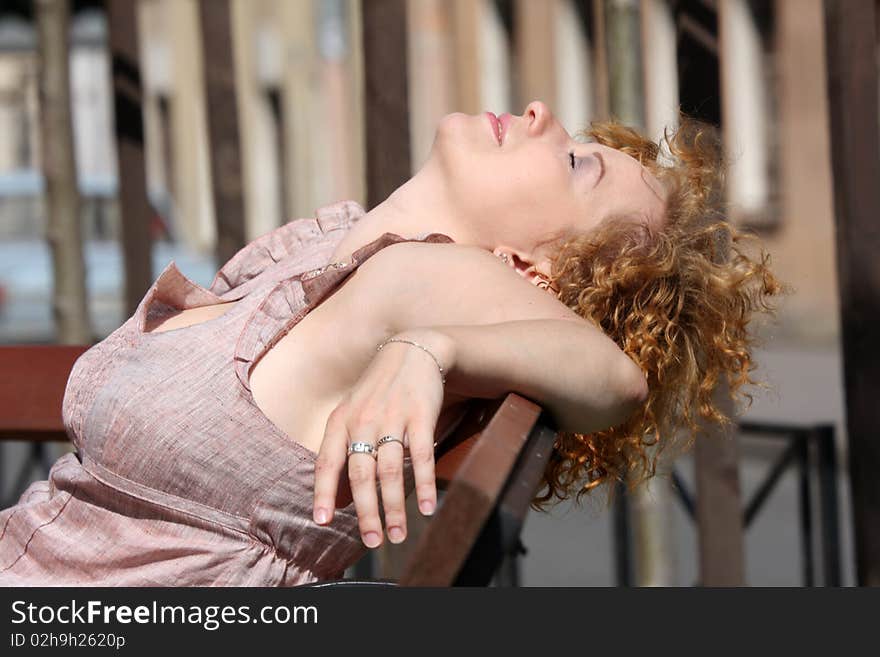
(21, 185)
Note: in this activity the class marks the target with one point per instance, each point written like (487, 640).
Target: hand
(399, 394)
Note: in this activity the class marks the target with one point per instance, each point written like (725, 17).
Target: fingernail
(371, 539)
(321, 516)
(395, 534)
(426, 507)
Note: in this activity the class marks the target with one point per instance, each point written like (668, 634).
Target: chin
(464, 129)
(451, 120)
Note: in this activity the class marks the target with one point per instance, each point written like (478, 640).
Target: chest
(188, 317)
(300, 380)
(305, 374)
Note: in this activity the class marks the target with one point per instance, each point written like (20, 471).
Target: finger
(329, 466)
(390, 471)
(421, 451)
(362, 479)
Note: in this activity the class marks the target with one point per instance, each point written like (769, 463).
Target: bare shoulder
(431, 284)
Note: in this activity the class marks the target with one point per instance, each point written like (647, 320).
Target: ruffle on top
(173, 291)
(291, 299)
(305, 241)
(329, 224)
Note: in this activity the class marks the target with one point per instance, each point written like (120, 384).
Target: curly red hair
(677, 300)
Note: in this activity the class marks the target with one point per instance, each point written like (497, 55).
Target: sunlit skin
(512, 198)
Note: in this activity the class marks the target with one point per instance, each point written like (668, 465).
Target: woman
(214, 428)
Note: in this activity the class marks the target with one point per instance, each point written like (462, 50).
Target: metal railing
(810, 449)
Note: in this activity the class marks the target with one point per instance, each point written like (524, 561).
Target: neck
(419, 206)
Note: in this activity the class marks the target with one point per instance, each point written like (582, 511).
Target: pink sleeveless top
(179, 479)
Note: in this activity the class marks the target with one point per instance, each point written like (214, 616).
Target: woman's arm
(493, 332)
(499, 333)
(565, 366)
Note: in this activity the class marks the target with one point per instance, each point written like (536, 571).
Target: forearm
(572, 369)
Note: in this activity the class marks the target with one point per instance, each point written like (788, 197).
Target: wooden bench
(489, 468)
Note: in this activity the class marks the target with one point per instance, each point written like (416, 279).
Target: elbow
(639, 389)
(628, 397)
(634, 387)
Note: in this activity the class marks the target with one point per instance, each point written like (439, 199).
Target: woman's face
(538, 182)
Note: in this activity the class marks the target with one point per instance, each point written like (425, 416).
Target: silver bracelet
(416, 344)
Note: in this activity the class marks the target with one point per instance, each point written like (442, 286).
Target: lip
(505, 120)
(496, 126)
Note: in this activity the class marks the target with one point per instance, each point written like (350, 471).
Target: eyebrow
(644, 175)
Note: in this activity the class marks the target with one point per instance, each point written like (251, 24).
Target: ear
(523, 264)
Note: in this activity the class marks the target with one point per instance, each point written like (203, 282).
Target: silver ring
(384, 440)
(362, 447)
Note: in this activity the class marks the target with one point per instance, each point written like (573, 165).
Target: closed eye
(575, 161)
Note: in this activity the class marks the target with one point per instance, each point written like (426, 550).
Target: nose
(537, 116)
